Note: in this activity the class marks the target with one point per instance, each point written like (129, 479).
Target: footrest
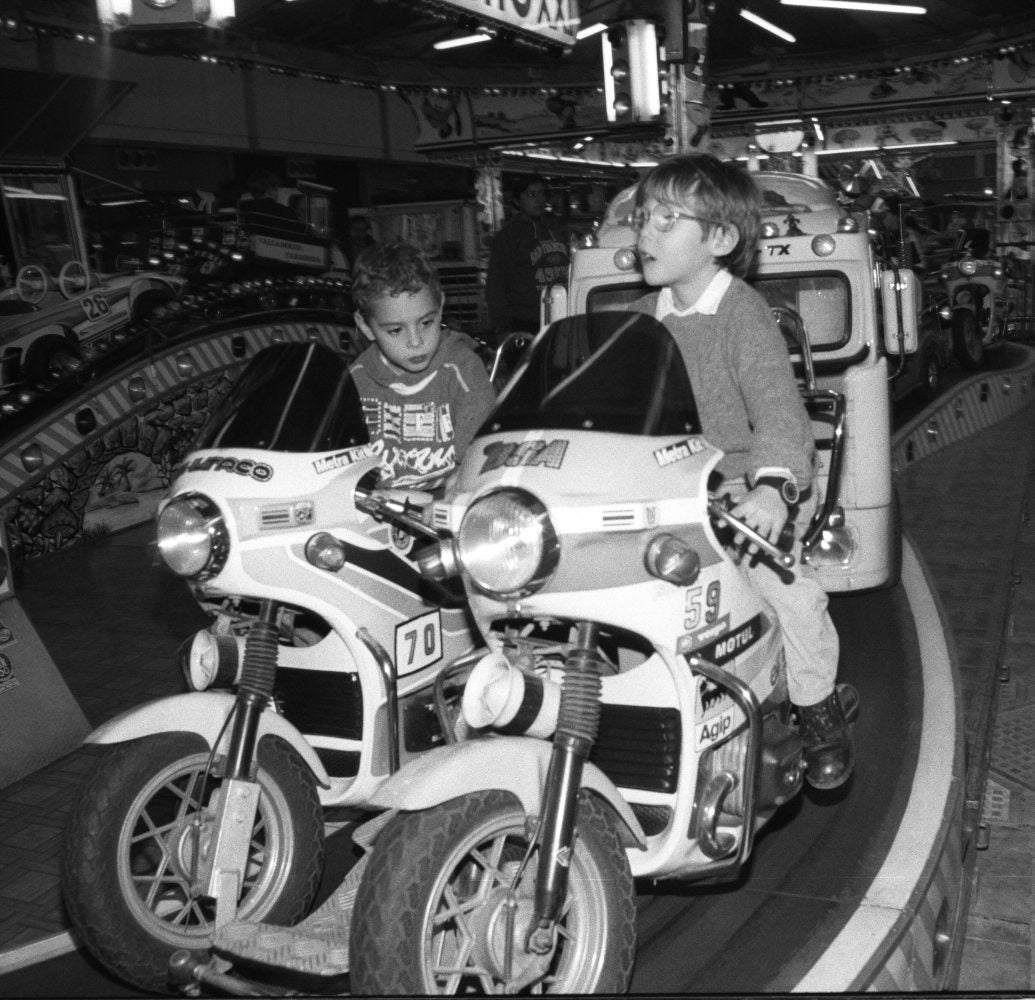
(318, 946)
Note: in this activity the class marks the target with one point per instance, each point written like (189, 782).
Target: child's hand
(764, 510)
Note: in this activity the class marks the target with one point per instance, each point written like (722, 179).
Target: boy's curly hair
(715, 189)
(391, 269)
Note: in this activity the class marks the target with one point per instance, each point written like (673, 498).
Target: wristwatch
(787, 488)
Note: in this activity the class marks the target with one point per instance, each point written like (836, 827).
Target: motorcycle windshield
(606, 371)
(291, 397)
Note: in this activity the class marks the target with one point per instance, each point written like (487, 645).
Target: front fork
(576, 733)
(221, 868)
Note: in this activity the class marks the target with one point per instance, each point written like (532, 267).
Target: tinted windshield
(291, 397)
(606, 371)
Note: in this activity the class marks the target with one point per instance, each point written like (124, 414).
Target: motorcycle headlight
(192, 536)
(507, 544)
(968, 266)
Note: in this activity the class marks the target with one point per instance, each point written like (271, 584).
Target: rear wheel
(434, 913)
(966, 340)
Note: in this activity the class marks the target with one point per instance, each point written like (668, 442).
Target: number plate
(418, 643)
(95, 306)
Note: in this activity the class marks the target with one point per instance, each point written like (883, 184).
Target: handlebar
(720, 511)
(403, 508)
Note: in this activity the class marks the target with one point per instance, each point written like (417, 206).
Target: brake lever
(397, 507)
(718, 510)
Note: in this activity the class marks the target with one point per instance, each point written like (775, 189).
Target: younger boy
(698, 220)
(425, 392)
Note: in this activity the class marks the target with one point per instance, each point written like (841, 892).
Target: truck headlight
(192, 536)
(507, 544)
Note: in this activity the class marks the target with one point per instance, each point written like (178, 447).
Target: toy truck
(844, 312)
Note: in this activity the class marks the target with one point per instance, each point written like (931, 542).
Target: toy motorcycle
(313, 682)
(630, 718)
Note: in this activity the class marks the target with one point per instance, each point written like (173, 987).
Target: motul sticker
(734, 643)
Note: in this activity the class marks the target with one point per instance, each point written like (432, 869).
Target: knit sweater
(744, 385)
(422, 423)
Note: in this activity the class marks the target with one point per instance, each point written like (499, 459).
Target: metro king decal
(678, 451)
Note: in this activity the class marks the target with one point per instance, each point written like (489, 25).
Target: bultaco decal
(227, 463)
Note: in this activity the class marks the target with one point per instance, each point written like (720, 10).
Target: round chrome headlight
(192, 536)
(968, 266)
(507, 544)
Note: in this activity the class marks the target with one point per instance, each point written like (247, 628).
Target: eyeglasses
(664, 218)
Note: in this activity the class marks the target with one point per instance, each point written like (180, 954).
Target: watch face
(790, 492)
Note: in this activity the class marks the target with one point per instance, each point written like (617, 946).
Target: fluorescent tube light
(592, 29)
(864, 5)
(767, 25)
(455, 43)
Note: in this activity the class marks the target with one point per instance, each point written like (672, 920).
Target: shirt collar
(708, 302)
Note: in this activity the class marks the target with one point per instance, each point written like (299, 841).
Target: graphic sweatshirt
(422, 423)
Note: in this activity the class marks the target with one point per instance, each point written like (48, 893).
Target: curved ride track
(845, 890)
(810, 869)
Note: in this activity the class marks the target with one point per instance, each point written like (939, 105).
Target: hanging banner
(554, 21)
(447, 120)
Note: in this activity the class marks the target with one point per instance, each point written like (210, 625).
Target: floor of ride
(113, 621)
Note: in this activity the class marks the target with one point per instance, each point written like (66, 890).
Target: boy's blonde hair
(391, 269)
(721, 192)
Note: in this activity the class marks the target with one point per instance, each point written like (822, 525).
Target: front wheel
(432, 910)
(140, 824)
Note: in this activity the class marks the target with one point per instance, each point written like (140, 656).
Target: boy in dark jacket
(425, 392)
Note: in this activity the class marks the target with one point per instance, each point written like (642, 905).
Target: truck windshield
(291, 397)
(822, 299)
(606, 371)
(39, 221)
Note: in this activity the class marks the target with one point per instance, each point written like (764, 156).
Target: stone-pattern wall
(115, 479)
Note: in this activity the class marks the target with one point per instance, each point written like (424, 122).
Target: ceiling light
(865, 5)
(768, 25)
(455, 43)
(592, 29)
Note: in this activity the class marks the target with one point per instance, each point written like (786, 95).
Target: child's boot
(826, 730)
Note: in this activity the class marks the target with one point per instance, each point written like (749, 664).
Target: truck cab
(57, 313)
(843, 311)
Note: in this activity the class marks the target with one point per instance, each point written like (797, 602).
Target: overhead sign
(549, 20)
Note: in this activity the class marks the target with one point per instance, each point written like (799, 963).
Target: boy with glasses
(698, 221)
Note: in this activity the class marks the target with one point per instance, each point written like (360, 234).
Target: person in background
(528, 255)
(358, 237)
(698, 220)
(263, 186)
(424, 391)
